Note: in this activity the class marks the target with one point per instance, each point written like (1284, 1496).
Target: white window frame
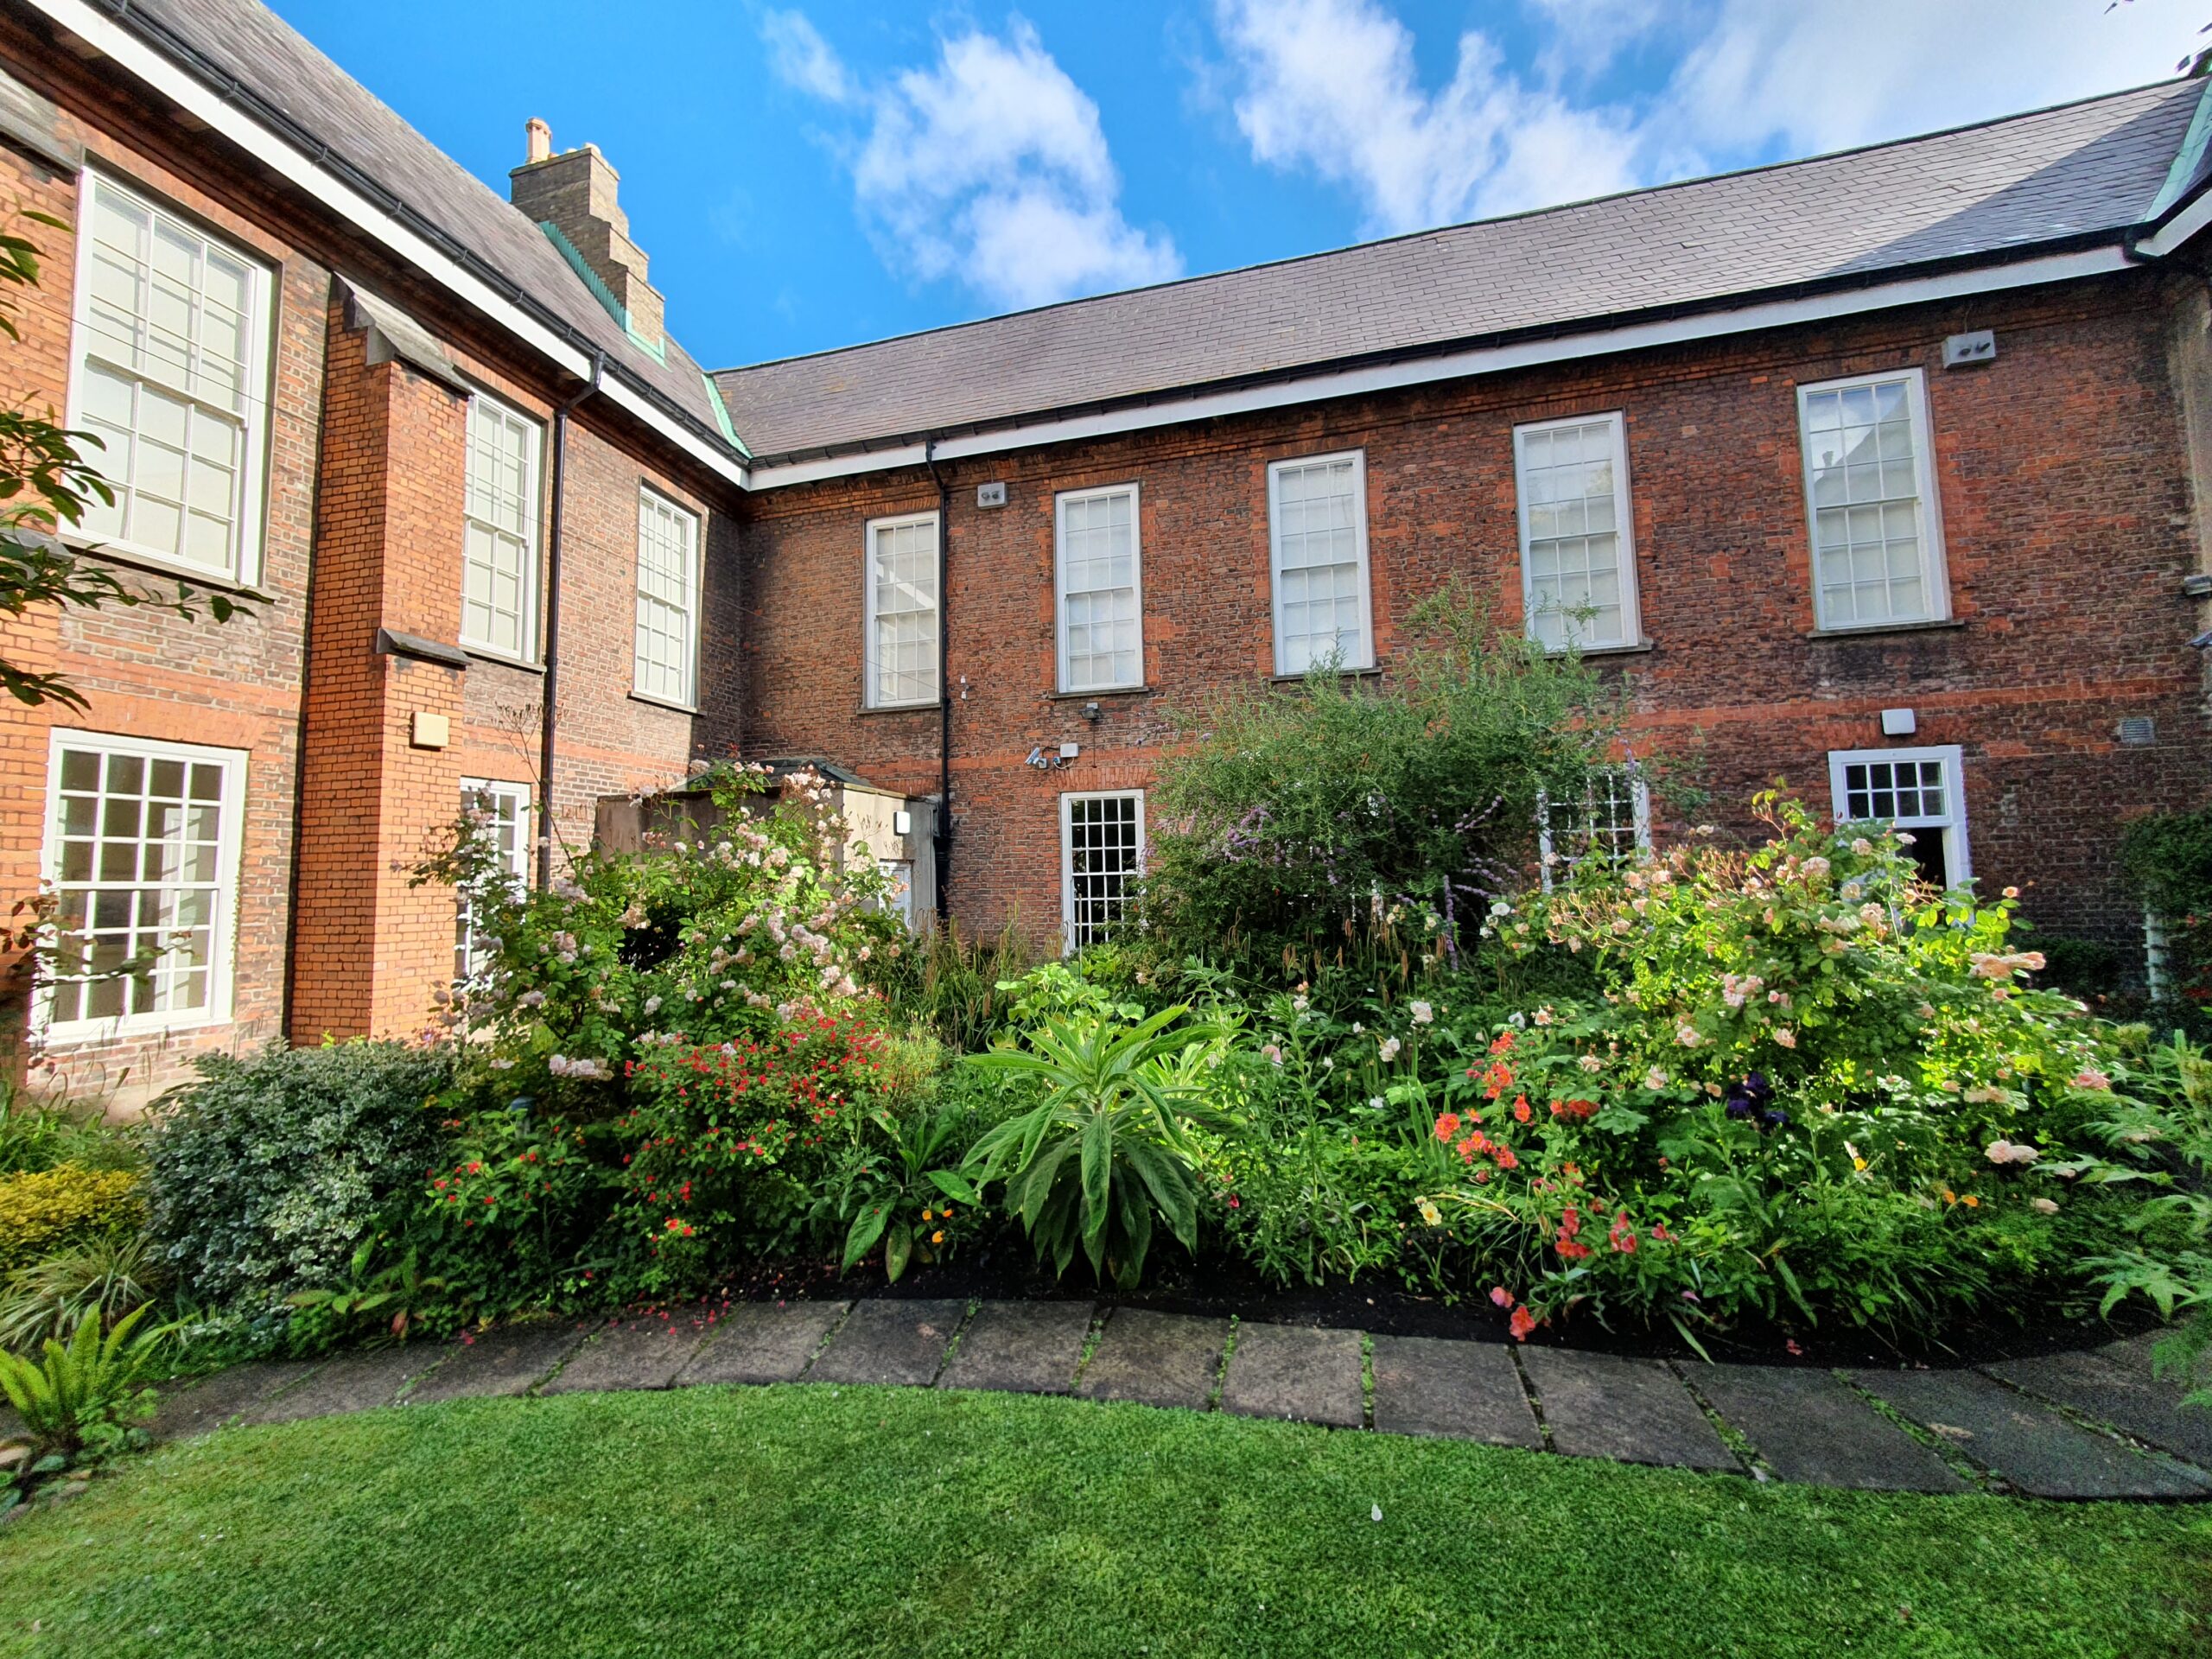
(898, 875)
(1061, 502)
(870, 662)
(249, 497)
(466, 953)
(1068, 941)
(651, 500)
(1623, 528)
(1934, 575)
(222, 931)
(534, 562)
(1961, 866)
(1640, 806)
(1363, 658)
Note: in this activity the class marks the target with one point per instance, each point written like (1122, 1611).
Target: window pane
(1868, 552)
(666, 562)
(499, 542)
(499, 815)
(1100, 635)
(1318, 575)
(902, 613)
(1105, 853)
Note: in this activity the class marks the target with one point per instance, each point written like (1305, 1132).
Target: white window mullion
(1318, 572)
(1577, 542)
(1612, 820)
(1870, 495)
(1101, 856)
(668, 600)
(1100, 589)
(899, 602)
(506, 825)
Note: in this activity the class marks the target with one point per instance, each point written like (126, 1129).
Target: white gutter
(281, 156)
(1173, 410)
(2178, 229)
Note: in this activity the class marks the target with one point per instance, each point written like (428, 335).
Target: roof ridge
(2170, 82)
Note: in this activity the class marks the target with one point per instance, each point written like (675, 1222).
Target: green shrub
(46, 1213)
(265, 1173)
(102, 1279)
(41, 1133)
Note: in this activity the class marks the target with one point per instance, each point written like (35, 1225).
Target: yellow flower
(1859, 1163)
(928, 1214)
(1430, 1213)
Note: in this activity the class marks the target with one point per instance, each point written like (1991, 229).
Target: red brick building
(1879, 472)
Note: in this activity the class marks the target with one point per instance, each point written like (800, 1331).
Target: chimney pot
(538, 140)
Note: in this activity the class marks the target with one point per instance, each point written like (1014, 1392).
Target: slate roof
(2078, 174)
(247, 42)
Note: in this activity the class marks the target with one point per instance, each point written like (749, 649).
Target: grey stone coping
(641, 1353)
(506, 1361)
(887, 1342)
(763, 1342)
(2026, 1442)
(2116, 1384)
(1462, 1390)
(1809, 1428)
(1296, 1372)
(1804, 1424)
(1631, 1410)
(1157, 1359)
(1020, 1348)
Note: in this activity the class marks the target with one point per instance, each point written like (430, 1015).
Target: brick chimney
(573, 192)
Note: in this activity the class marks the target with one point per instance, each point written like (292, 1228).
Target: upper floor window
(171, 374)
(1578, 553)
(1101, 590)
(499, 593)
(902, 627)
(1317, 533)
(668, 600)
(142, 846)
(1920, 791)
(1877, 553)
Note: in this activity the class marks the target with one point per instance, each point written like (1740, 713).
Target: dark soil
(1001, 1274)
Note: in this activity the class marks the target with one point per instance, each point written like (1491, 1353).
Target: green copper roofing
(600, 292)
(721, 414)
(2190, 158)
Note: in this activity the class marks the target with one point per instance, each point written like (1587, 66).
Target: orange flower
(1447, 1126)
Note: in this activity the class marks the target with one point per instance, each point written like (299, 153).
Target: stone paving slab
(887, 1342)
(1296, 1372)
(1636, 1410)
(502, 1362)
(213, 1400)
(1810, 1429)
(2028, 1443)
(762, 1341)
(351, 1382)
(1020, 1348)
(640, 1353)
(1461, 1391)
(2115, 1385)
(1159, 1359)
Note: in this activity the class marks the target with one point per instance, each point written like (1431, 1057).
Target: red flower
(1501, 1295)
(1504, 1043)
(1521, 1324)
(1447, 1126)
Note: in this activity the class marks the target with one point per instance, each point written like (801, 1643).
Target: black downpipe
(941, 833)
(553, 618)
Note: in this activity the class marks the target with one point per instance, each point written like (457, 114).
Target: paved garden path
(2090, 1425)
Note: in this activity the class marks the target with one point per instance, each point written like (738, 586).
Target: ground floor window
(504, 822)
(1922, 791)
(1611, 819)
(142, 848)
(898, 877)
(1102, 852)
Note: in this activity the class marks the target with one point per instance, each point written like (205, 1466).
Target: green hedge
(50, 1210)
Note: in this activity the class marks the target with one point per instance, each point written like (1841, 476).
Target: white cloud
(1330, 86)
(989, 167)
(800, 57)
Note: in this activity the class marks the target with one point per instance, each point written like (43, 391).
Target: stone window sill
(1875, 631)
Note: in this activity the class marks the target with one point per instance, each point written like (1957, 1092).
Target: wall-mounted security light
(1964, 351)
(902, 823)
(990, 495)
(1899, 723)
(1090, 711)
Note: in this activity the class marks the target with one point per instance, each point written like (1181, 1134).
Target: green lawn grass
(804, 1521)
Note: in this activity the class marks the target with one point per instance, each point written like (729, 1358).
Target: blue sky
(806, 174)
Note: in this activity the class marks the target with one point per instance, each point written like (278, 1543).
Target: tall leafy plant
(1106, 1151)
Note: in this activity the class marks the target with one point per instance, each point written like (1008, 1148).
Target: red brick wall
(2065, 505)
